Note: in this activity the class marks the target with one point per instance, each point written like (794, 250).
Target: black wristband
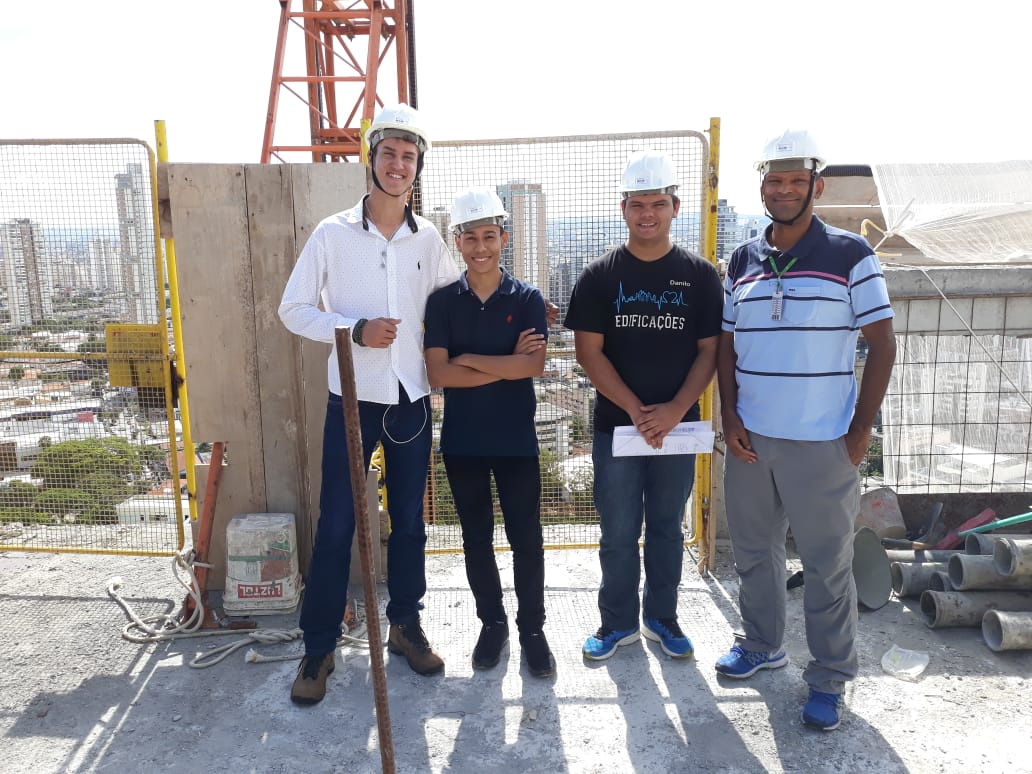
(356, 332)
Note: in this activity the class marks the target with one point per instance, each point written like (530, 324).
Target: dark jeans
(628, 491)
(407, 459)
(518, 480)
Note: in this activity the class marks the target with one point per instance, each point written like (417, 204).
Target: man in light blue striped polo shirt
(795, 299)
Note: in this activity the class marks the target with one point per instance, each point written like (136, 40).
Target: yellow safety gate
(90, 456)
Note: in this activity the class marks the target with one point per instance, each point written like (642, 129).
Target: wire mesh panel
(957, 416)
(88, 453)
(562, 196)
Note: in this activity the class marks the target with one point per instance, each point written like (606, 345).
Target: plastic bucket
(879, 511)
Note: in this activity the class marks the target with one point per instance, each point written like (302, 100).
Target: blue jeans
(519, 494)
(630, 491)
(404, 430)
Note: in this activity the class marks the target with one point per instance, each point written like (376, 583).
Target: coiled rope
(159, 628)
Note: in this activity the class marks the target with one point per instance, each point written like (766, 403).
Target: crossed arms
(468, 370)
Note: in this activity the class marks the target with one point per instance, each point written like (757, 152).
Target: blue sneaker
(604, 642)
(741, 663)
(823, 710)
(668, 634)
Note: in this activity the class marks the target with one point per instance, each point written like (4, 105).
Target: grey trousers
(812, 487)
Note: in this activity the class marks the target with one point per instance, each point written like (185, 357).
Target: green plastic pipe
(997, 524)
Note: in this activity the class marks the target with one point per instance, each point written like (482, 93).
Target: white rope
(159, 628)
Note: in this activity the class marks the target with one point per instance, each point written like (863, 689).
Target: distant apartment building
(750, 227)
(733, 229)
(575, 396)
(137, 248)
(526, 255)
(440, 216)
(727, 230)
(24, 272)
(103, 260)
(553, 429)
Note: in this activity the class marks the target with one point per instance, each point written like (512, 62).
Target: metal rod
(356, 465)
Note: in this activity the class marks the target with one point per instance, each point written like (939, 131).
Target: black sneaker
(492, 639)
(538, 655)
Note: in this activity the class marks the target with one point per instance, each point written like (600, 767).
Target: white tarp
(960, 213)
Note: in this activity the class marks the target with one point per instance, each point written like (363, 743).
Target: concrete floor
(76, 697)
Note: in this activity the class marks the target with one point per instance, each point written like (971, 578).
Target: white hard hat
(795, 146)
(399, 121)
(477, 206)
(649, 172)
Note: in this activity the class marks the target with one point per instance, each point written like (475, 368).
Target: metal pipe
(189, 451)
(1013, 556)
(938, 555)
(979, 572)
(357, 471)
(940, 581)
(947, 609)
(984, 542)
(909, 579)
(1007, 631)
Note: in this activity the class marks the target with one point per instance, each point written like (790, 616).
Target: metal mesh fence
(88, 454)
(563, 200)
(957, 416)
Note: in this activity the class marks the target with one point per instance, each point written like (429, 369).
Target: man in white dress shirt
(372, 267)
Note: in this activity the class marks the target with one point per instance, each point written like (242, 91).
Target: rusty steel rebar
(356, 469)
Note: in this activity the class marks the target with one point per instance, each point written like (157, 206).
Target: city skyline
(108, 249)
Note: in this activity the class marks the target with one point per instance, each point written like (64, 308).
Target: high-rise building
(727, 230)
(733, 229)
(24, 272)
(103, 258)
(136, 271)
(440, 217)
(526, 255)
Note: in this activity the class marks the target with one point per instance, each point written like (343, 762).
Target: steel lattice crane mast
(346, 44)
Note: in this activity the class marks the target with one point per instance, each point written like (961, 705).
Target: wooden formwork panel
(252, 383)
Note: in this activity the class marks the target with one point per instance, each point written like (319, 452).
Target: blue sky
(875, 81)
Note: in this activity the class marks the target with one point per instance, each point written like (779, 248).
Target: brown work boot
(409, 641)
(310, 683)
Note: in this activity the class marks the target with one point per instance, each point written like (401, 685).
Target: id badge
(777, 303)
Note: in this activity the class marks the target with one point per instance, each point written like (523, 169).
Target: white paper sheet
(685, 438)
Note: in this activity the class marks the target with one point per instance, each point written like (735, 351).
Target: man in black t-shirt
(646, 318)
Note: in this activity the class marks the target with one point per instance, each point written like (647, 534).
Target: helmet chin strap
(794, 218)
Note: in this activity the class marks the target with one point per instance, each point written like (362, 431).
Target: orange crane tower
(346, 43)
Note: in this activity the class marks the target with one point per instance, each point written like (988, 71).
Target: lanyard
(780, 273)
(777, 298)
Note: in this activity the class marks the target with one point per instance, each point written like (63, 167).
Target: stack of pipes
(988, 584)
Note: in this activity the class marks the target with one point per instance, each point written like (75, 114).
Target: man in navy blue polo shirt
(795, 426)
(484, 342)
